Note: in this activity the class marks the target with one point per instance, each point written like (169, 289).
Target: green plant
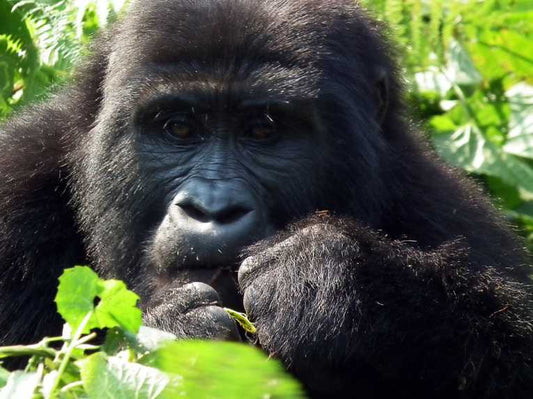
(40, 40)
(469, 69)
(133, 361)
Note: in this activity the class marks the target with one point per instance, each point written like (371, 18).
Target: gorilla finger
(202, 293)
(253, 265)
(246, 270)
(249, 301)
(211, 322)
(193, 295)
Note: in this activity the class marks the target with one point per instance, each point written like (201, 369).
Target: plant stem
(242, 319)
(68, 353)
(30, 350)
(70, 386)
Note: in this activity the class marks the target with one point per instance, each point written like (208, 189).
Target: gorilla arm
(38, 237)
(37, 234)
(338, 302)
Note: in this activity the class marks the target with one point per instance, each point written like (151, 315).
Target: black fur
(410, 285)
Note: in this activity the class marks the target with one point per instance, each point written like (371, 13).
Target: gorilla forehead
(267, 31)
(225, 85)
(282, 49)
(173, 44)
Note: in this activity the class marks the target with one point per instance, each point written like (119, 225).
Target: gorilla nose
(221, 211)
(222, 207)
(209, 222)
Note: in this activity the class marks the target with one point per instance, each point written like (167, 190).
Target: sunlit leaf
(4, 375)
(433, 81)
(80, 289)
(520, 137)
(115, 378)
(20, 385)
(460, 68)
(468, 149)
(223, 370)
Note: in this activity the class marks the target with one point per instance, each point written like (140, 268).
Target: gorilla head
(221, 122)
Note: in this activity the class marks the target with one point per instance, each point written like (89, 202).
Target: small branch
(30, 350)
(68, 353)
(72, 385)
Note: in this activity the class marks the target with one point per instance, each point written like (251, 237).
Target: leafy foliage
(134, 362)
(78, 290)
(41, 39)
(470, 72)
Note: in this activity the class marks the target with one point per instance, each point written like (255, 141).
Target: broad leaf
(20, 385)
(117, 307)
(433, 81)
(4, 375)
(468, 149)
(116, 378)
(520, 137)
(461, 69)
(222, 370)
(79, 290)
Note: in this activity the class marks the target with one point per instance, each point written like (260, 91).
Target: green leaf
(146, 340)
(150, 339)
(461, 69)
(242, 319)
(4, 375)
(20, 385)
(48, 383)
(222, 370)
(506, 195)
(78, 290)
(468, 149)
(117, 307)
(116, 378)
(432, 81)
(520, 137)
(442, 124)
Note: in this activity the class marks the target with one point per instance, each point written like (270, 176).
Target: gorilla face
(212, 136)
(223, 169)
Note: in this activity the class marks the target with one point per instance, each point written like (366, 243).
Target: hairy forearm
(386, 307)
(415, 302)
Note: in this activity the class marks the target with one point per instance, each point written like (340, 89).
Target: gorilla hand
(298, 290)
(191, 311)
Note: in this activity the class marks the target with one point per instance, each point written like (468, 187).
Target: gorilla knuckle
(246, 270)
(201, 292)
(215, 322)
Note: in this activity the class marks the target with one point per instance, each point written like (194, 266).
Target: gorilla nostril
(195, 212)
(222, 215)
(232, 214)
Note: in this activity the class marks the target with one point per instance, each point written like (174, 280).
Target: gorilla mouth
(224, 281)
(189, 247)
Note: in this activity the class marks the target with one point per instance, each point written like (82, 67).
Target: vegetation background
(468, 65)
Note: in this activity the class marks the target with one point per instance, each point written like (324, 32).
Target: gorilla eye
(263, 129)
(181, 129)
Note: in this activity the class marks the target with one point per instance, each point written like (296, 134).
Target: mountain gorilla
(257, 154)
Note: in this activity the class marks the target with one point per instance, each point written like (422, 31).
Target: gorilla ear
(381, 87)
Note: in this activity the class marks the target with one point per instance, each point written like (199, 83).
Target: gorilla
(257, 154)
